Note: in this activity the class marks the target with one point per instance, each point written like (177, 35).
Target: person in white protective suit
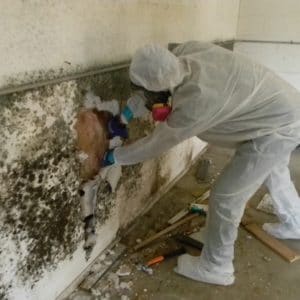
(227, 99)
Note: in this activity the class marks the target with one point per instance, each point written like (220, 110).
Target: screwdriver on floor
(163, 257)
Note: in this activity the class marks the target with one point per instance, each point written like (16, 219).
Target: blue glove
(108, 159)
(117, 128)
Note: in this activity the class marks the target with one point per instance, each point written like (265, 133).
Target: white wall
(45, 39)
(272, 20)
(284, 59)
(275, 21)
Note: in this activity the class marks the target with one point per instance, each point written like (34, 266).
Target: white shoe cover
(190, 267)
(282, 230)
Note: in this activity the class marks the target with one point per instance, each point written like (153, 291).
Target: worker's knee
(226, 190)
(228, 203)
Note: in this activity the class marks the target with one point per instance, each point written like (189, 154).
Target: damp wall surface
(40, 228)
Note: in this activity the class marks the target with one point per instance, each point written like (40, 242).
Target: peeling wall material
(41, 233)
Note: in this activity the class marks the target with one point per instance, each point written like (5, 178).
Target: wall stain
(159, 180)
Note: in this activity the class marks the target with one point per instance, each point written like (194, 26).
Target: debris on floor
(124, 270)
(199, 191)
(81, 295)
(201, 197)
(188, 241)
(201, 209)
(101, 265)
(144, 268)
(202, 172)
(165, 256)
(182, 213)
(166, 231)
(200, 235)
(266, 258)
(266, 204)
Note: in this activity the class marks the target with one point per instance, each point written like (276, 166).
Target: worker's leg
(286, 203)
(248, 169)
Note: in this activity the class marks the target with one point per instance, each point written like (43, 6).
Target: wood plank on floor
(274, 244)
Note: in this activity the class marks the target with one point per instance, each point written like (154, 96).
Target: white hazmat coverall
(224, 98)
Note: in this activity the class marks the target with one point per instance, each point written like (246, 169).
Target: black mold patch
(105, 202)
(159, 181)
(38, 76)
(48, 215)
(131, 174)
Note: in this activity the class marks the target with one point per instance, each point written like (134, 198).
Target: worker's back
(241, 99)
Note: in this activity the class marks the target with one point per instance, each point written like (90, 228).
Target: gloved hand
(108, 159)
(117, 128)
(135, 108)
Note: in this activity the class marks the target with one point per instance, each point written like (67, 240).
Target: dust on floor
(260, 273)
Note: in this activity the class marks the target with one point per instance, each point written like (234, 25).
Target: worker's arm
(190, 117)
(180, 125)
(162, 139)
(135, 108)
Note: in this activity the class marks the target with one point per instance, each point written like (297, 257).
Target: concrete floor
(260, 273)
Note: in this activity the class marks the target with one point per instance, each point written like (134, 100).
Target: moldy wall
(40, 217)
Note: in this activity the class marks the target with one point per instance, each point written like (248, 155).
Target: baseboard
(75, 283)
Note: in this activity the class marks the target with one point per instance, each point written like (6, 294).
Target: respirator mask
(156, 102)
